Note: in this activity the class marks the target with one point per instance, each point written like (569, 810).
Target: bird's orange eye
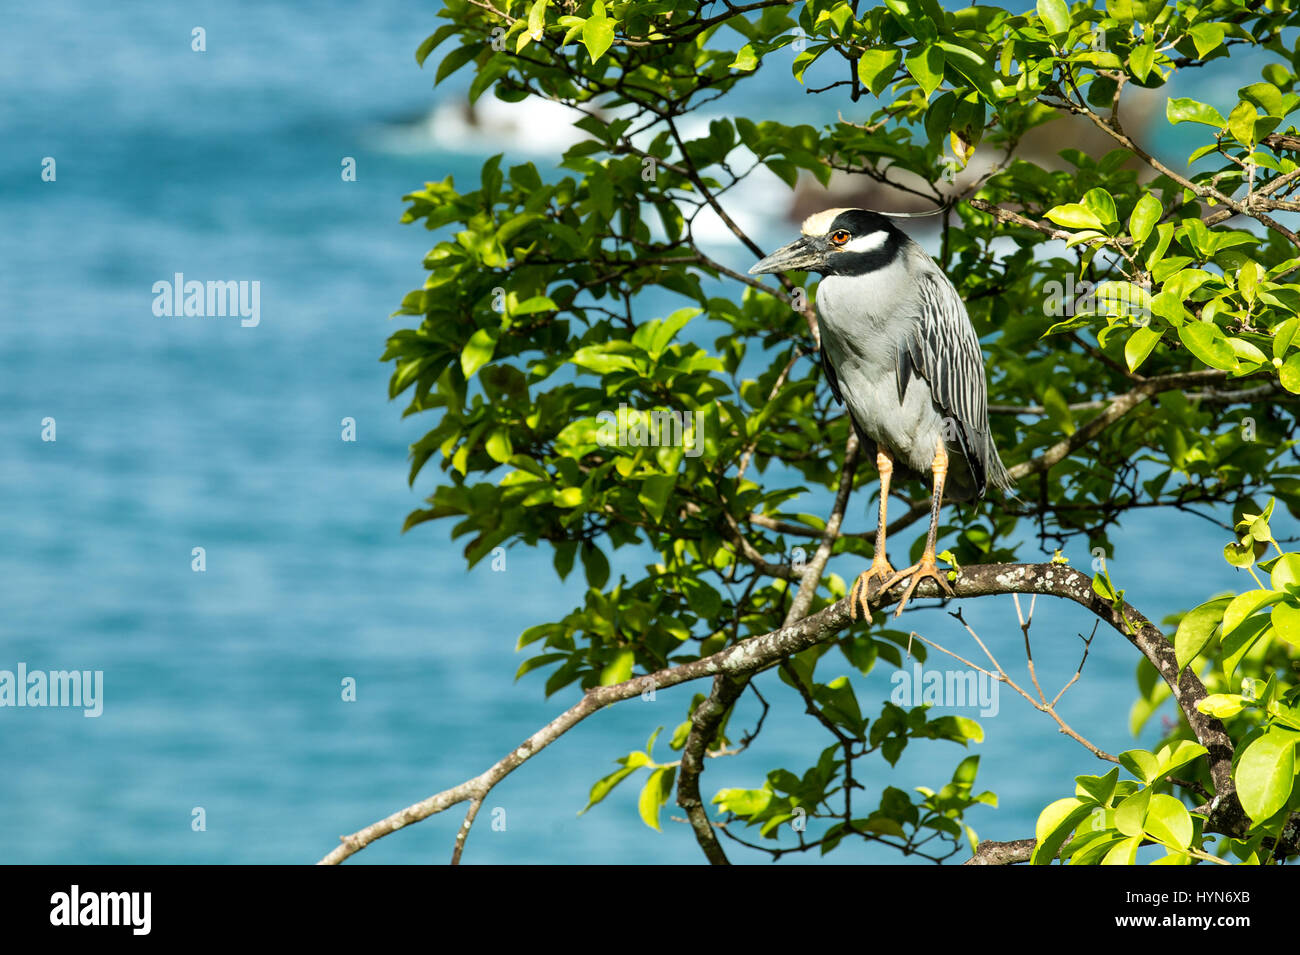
(839, 237)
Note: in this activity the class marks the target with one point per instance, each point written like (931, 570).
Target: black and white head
(838, 242)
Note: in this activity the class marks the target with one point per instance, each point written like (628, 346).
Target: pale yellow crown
(819, 223)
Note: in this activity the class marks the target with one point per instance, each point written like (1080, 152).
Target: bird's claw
(925, 568)
(860, 596)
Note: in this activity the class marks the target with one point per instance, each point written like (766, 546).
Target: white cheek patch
(866, 243)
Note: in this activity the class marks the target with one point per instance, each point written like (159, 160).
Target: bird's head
(838, 242)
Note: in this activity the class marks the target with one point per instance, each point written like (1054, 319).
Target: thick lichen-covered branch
(759, 652)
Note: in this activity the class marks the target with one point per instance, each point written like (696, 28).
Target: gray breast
(865, 324)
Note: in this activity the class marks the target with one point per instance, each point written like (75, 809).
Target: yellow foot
(860, 596)
(918, 572)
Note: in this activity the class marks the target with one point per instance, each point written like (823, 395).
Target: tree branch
(1207, 396)
(1002, 853)
(759, 652)
(704, 724)
(1117, 408)
(726, 690)
(1250, 207)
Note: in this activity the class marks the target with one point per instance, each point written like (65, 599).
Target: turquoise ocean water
(222, 688)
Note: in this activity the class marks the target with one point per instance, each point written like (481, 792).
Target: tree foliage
(1169, 386)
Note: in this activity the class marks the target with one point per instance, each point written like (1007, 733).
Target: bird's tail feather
(1000, 477)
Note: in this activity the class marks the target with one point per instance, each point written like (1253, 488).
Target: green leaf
(663, 333)
(1196, 628)
(604, 786)
(1221, 705)
(1087, 848)
(925, 63)
(876, 68)
(568, 497)
(1168, 821)
(1141, 764)
(1266, 96)
(1184, 110)
(478, 350)
(1238, 554)
(1286, 621)
(1265, 774)
(1055, 15)
(1177, 754)
(541, 660)
(1286, 571)
(565, 552)
(1131, 813)
(1241, 123)
(1285, 333)
(1139, 346)
(959, 729)
(1055, 823)
(1120, 10)
(1239, 642)
(597, 37)
(1145, 215)
(654, 493)
(654, 794)
(1098, 788)
(1206, 342)
(595, 564)
(1124, 853)
(637, 759)
(701, 598)
(1245, 351)
(454, 60)
(1141, 60)
(618, 669)
(530, 306)
(1073, 215)
(609, 356)
(1101, 204)
(746, 59)
(972, 64)
(743, 802)
(1146, 11)
(1243, 605)
(498, 446)
(1289, 374)
(1206, 37)
(537, 18)
(1058, 411)
(431, 42)
(938, 116)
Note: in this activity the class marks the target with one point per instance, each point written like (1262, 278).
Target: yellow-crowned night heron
(900, 351)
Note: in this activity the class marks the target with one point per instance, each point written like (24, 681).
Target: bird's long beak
(802, 255)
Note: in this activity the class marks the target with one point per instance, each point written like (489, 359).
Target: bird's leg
(879, 569)
(926, 567)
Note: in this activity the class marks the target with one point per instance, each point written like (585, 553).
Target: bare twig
(1040, 704)
(463, 832)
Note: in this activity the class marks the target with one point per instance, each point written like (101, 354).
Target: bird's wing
(830, 376)
(943, 350)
